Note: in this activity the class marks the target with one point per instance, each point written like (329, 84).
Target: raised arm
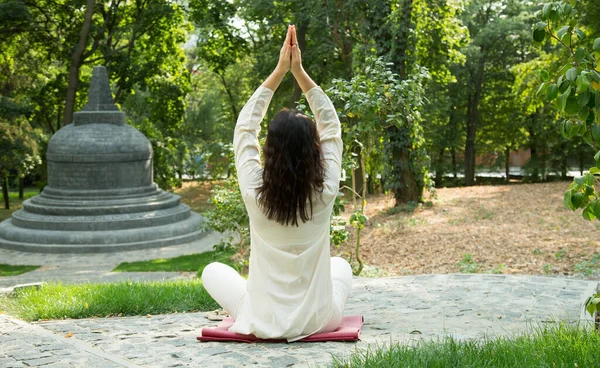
(245, 137)
(328, 123)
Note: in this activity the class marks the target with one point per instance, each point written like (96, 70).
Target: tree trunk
(473, 118)
(470, 145)
(21, 187)
(564, 164)
(507, 163)
(402, 38)
(581, 161)
(230, 95)
(301, 30)
(371, 183)
(439, 172)
(533, 160)
(454, 163)
(360, 180)
(406, 188)
(76, 61)
(5, 193)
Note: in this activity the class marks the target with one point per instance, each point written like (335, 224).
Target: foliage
(138, 41)
(338, 232)
(468, 265)
(59, 301)
(592, 304)
(165, 158)
(575, 93)
(228, 215)
(381, 113)
(561, 346)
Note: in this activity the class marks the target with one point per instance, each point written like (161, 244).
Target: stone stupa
(100, 195)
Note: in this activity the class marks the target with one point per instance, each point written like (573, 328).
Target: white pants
(227, 288)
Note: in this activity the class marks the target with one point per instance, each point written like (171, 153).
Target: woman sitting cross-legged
(294, 288)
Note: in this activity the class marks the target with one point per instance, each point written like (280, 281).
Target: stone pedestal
(100, 195)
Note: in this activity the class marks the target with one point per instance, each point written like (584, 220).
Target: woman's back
(293, 289)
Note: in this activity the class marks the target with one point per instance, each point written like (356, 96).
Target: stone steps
(46, 241)
(41, 206)
(31, 220)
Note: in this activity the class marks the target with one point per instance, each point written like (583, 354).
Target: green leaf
(594, 170)
(566, 9)
(582, 83)
(583, 114)
(580, 34)
(541, 88)
(580, 54)
(562, 32)
(589, 178)
(562, 99)
(580, 180)
(552, 92)
(587, 137)
(567, 200)
(546, 11)
(540, 25)
(591, 308)
(588, 213)
(539, 35)
(595, 207)
(597, 158)
(589, 190)
(577, 199)
(571, 74)
(596, 133)
(544, 75)
(583, 98)
(597, 45)
(571, 107)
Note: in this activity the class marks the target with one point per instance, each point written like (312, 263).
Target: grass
(60, 301)
(549, 347)
(468, 264)
(588, 268)
(9, 270)
(15, 202)
(188, 263)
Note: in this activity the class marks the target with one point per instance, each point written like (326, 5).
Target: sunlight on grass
(564, 346)
(58, 301)
(188, 263)
(10, 270)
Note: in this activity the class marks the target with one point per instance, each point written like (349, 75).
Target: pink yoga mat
(349, 330)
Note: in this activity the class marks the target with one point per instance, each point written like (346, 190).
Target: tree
(576, 91)
(17, 146)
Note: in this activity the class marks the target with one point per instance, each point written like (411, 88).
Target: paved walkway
(396, 309)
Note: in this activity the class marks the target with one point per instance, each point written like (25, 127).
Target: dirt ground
(196, 194)
(512, 229)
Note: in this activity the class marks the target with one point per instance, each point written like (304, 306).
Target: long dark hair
(293, 169)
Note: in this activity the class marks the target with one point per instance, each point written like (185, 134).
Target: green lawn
(549, 347)
(188, 263)
(9, 270)
(58, 301)
(15, 202)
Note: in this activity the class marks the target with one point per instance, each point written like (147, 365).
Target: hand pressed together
(290, 57)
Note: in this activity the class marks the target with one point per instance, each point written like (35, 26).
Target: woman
(294, 289)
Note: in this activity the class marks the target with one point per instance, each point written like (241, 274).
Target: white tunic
(289, 292)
